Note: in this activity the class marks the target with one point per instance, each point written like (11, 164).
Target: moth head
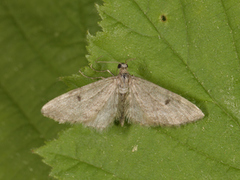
(122, 66)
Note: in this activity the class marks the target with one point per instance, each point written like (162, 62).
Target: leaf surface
(188, 47)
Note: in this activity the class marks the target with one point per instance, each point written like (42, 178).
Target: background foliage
(188, 47)
(40, 42)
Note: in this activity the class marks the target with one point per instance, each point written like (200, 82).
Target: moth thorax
(123, 83)
(123, 90)
(125, 76)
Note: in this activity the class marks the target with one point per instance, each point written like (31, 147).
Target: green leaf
(39, 42)
(189, 47)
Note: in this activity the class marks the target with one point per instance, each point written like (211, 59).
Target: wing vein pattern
(93, 105)
(158, 106)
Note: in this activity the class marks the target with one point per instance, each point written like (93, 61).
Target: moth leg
(96, 71)
(102, 70)
(90, 77)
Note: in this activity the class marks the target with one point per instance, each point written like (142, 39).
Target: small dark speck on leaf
(163, 18)
(167, 101)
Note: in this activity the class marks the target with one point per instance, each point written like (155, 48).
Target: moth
(118, 98)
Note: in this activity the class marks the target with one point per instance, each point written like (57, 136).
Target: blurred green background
(40, 41)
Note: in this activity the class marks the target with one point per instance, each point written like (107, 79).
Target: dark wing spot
(167, 101)
(79, 98)
(163, 18)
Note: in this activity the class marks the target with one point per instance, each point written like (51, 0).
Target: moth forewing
(123, 96)
(159, 106)
(88, 105)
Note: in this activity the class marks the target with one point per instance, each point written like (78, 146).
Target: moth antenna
(107, 62)
(127, 60)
